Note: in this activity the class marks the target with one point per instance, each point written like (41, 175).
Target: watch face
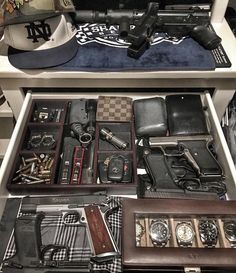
(159, 231)
(208, 232)
(184, 233)
(230, 230)
(139, 229)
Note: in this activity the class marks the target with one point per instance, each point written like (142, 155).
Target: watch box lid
(174, 257)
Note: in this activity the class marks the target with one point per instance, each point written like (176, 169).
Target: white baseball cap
(41, 44)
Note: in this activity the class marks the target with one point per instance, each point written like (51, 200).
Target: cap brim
(43, 58)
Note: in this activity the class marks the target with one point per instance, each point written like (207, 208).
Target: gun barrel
(117, 16)
(109, 17)
(173, 140)
(33, 208)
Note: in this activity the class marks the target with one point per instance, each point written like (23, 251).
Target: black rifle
(175, 23)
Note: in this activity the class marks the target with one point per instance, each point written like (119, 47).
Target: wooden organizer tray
(60, 128)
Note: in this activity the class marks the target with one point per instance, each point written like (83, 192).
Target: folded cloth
(101, 50)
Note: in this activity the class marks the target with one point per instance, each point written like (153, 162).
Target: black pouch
(185, 115)
(150, 117)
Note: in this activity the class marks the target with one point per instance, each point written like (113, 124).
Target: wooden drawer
(9, 162)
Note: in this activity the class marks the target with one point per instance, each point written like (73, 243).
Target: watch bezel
(180, 241)
(153, 235)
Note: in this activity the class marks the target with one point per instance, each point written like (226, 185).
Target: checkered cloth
(54, 231)
(117, 109)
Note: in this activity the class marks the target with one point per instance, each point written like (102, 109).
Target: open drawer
(30, 127)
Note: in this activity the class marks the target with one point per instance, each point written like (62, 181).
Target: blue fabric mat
(100, 50)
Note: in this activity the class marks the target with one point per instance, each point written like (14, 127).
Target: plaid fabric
(53, 231)
(117, 109)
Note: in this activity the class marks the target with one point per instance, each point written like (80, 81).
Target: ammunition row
(34, 170)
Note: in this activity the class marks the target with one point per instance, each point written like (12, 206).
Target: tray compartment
(33, 170)
(48, 112)
(42, 138)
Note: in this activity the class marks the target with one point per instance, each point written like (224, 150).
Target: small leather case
(185, 115)
(150, 117)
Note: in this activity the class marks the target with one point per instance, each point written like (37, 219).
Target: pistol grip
(159, 171)
(208, 165)
(103, 246)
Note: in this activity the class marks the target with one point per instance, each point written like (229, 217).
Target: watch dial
(139, 229)
(184, 233)
(208, 231)
(159, 231)
(230, 230)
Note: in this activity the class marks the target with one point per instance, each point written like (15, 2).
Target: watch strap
(138, 238)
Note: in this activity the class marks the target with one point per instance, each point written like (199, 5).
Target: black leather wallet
(150, 117)
(185, 115)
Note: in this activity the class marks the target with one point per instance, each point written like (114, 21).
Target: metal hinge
(192, 270)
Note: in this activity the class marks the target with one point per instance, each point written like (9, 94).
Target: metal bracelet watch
(208, 232)
(230, 232)
(139, 232)
(184, 234)
(159, 232)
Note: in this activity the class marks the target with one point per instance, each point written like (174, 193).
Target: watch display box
(175, 234)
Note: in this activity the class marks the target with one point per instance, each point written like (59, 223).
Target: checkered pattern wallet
(115, 109)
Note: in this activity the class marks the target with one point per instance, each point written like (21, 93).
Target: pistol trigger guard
(58, 248)
(192, 184)
(66, 214)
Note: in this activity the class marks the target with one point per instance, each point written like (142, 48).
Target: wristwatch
(208, 233)
(139, 230)
(184, 234)
(159, 232)
(230, 232)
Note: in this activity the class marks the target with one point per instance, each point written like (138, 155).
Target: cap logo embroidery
(38, 30)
